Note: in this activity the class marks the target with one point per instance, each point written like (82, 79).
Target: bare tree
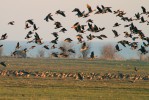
(1, 51)
(142, 57)
(108, 52)
(41, 53)
(67, 49)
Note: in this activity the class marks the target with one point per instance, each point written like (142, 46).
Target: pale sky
(22, 10)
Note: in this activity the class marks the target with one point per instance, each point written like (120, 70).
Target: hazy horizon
(9, 47)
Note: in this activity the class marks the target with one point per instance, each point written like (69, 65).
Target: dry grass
(44, 88)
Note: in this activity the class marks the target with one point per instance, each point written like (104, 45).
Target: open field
(39, 88)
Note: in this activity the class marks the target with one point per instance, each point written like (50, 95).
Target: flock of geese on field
(134, 34)
(74, 76)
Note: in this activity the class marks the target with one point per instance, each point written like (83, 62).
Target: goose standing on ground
(117, 48)
(54, 54)
(92, 55)
(80, 77)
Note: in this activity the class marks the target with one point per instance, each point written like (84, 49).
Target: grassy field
(32, 88)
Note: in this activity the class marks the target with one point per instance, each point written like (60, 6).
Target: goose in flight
(11, 23)
(63, 30)
(101, 36)
(90, 37)
(79, 13)
(27, 26)
(46, 47)
(53, 47)
(137, 16)
(62, 49)
(30, 21)
(55, 40)
(143, 50)
(115, 33)
(57, 25)
(79, 28)
(32, 47)
(49, 16)
(69, 40)
(127, 34)
(106, 9)
(116, 24)
(84, 47)
(100, 11)
(35, 27)
(144, 10)
(89, 8)
(89, 21)
(101, 29)
(71, 50)
(1, 45)
(142, 20)
(79, 37)
(55, 34)
(61, 13)
(37, 39)
(18, 46)
(28, 36)
(4, 36)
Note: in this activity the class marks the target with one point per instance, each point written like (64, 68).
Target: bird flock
(131, 77)
(134, 32)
